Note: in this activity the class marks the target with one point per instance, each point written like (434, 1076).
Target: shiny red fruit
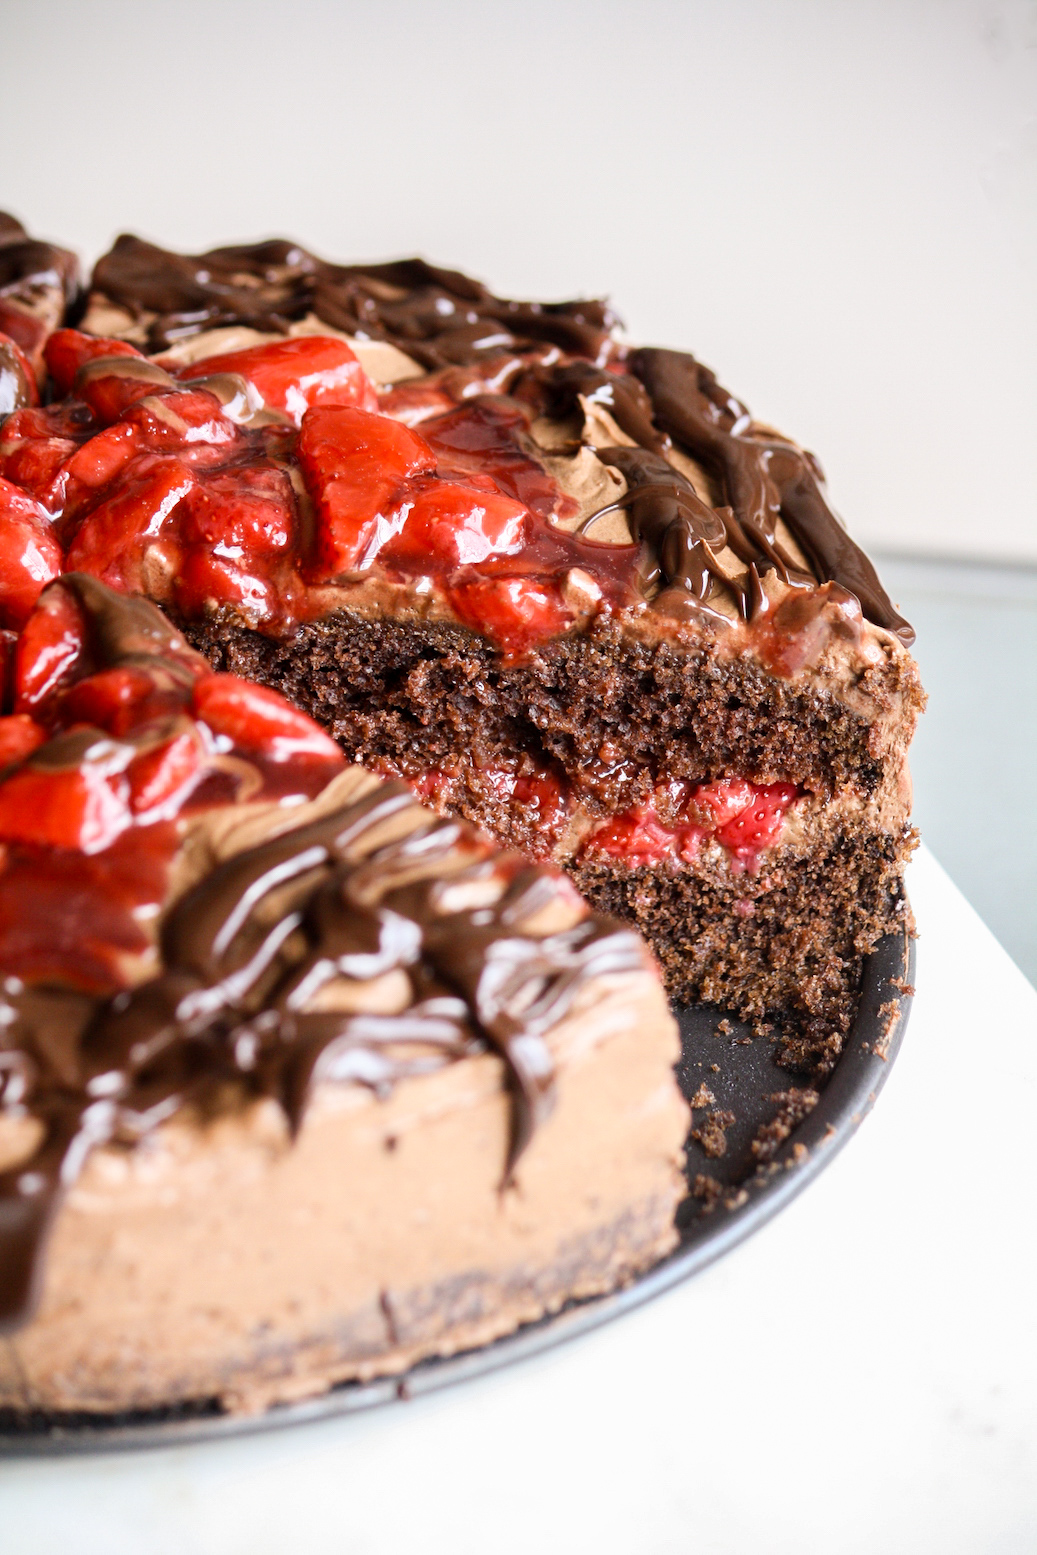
(82, 808)
(48, 651)
(118, 700)
(161, 779)
(292, 375)
(758, 825)
(516, 613)
(448, 526)
(67, 350)
(30, 556)
(19, 737)
(355, 465)
(112, 539)
(253, 718)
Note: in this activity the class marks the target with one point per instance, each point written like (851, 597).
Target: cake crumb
(703, 1097)
(711, 1134)
(724, 1028)
(793, 1106)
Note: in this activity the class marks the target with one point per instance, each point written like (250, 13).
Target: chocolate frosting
(550, 357)
(374, 887)
(437, 316)
(39, 282)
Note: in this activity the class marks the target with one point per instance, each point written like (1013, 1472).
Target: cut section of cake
(566, 588)
(299, 1082)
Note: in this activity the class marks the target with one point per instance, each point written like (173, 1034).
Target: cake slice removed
(299, 1082)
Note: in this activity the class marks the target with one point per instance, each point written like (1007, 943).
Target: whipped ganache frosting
(514, 362)
(334, 931)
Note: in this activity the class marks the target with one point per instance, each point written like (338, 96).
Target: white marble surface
(860, 1376)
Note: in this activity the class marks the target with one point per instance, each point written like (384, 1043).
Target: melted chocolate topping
(376, 887)
(446, 321)
(439, 317)
(38, 283)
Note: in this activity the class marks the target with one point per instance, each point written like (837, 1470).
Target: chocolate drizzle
(376, 894)
(39, 282)
(762, 479)
(439, 317)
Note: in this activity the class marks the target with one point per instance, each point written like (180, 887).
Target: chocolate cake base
(780, 944)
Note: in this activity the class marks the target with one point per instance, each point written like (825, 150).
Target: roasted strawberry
(112, 540)
(255, 719)
(48, 651)
(516, 613)
(292, 375)
(30, 556)
(355, 465)
(32, 452)
(20, 735)
(67, 350)
(207, 579)
(716, 804)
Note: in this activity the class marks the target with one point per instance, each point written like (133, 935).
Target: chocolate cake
(298, 1080)
(567, 588)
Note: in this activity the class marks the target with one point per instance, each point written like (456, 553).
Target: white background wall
(832, 202)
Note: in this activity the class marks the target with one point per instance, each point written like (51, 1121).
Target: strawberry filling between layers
(745, 818)
(255, 479)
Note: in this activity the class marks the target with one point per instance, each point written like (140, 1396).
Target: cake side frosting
(197, 892)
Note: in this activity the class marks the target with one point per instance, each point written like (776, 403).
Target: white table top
(859, 1376)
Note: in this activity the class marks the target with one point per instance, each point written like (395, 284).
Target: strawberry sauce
(254, 479)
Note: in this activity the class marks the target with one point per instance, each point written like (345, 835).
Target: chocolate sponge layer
(614, 713)
(612, 716)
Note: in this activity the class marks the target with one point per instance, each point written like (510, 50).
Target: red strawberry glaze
(30, 556)
(200, 500)
(102, 763)
(291, 376)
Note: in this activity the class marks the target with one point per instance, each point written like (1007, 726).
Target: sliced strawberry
(48, 650)
(32, 451)
(118, 700)
(19, 737)
(759, 823)
(293, 375)
(256, 719)
(183, 420)
(206, 580)
(355, 465)
(450, 526)
(78, 807)
(67, 350)
(112, 540)
(30, 556)
(160, 779)
(251, 508)
(516, 613)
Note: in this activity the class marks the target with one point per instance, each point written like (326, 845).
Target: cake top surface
(258, 432)
(202, 903)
